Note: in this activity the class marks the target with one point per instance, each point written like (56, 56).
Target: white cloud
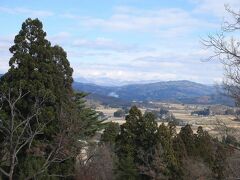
(169, 21)
(61, 35)
(121, 75)
(164, 51)
(60, 38)
(215, 7)
(176, 53)
(97, 73)
(3, 64)
(108, 45)
(150, 66)
(5, 43)
(25, 11)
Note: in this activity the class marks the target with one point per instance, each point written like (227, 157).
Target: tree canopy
(42, 118)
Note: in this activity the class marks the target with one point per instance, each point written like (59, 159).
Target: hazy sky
(124, 40)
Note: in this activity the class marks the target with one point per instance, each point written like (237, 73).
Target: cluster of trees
(119, 113)
(41, 118)
(163, 115)
(204, 112)
(144, 150)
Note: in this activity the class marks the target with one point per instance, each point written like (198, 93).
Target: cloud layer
(131, 42)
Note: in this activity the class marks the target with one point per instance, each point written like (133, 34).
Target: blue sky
(121, 41)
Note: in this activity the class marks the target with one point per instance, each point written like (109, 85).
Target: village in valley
(218, 120)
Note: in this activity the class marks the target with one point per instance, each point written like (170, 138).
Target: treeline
(142, 150)
(204, 112)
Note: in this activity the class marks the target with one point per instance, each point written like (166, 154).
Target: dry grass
(183, 112)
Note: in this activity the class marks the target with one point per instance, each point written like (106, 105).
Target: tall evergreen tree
(220, 163)
(166, 140)
(205, 146)
(139, 139)
(125, 146)
(90, 120)
(187, 137)
(110, 133)
(40, 79)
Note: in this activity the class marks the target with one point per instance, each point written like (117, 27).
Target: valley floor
(216, 125)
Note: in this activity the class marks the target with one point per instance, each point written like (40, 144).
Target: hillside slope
(173, 91)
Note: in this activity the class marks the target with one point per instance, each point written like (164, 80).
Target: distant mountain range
(170, 91)
(111, 82)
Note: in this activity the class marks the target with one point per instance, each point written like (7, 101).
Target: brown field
(216, 125)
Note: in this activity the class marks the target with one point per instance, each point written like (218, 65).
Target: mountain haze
(171, 91)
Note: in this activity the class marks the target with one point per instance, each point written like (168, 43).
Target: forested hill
(174, 91)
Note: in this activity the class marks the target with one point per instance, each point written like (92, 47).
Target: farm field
(215, 124)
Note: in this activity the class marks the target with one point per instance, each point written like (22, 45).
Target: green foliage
(30, 166)
(179, 148)
(41, 71)
(110, 133)
(231, 140)
(187, 137)
(149, 146)
(166, 140)
(204, 145)
(147, 151)
(219, 164)
(163, 115)
(205, 112)
(119, 113)
(43, 74)
(90, 120)
(126, 168)
(137, 134)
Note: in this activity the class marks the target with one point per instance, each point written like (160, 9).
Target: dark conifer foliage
(146, 151)
(110, 133)
(42, 119)
(145, 148)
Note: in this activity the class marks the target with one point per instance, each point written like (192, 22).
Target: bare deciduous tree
(227, 49)
(17, 132)
(99, 164)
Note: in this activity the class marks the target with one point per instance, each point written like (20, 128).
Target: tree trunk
(12, 168)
